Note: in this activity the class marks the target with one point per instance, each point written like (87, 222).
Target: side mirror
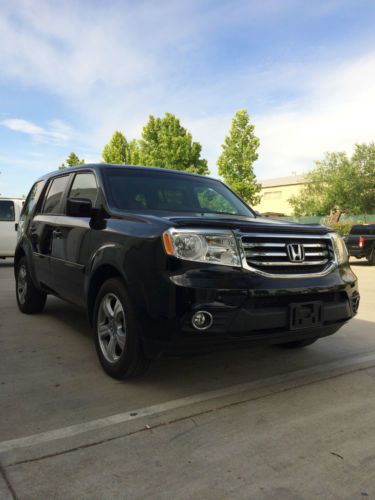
(79, 207)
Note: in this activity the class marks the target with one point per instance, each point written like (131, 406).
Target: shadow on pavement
(359, 262)
(6, 263)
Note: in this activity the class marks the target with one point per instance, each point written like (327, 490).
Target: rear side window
(32, 198)
(363, 230)
(6, 210)
(84, 186)
(54, 195)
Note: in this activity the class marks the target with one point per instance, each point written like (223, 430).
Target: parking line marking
(76, 429)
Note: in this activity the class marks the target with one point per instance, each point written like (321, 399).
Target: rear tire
(298, 344)
(30, 299)
(117, 339)
(371, 258)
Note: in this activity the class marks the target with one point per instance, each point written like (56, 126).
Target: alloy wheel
(111, 327)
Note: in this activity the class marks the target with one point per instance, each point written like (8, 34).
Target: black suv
(164, 260)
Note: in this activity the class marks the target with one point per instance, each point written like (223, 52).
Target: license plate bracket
(305, 315)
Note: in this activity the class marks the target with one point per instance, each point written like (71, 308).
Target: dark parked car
(164, 260)
(361, 242)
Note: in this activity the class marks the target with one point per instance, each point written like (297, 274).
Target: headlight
(340, 249)
(212, 247)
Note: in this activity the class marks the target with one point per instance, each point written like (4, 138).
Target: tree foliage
(239, 152)
(71, 161)
(339, 184)
(117, 150)
(166, 143)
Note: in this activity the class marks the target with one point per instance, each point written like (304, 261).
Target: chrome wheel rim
(111, 327)
(22, 284)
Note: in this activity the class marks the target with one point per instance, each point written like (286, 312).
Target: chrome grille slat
(283, 263)
(260, 244)
(265, 254)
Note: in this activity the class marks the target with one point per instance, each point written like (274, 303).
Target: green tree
(239, 152)
(166, 143)
(117, 150)
(339, 184)
(134, 153)
(71, 161)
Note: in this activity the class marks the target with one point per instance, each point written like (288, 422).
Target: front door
(70, 242)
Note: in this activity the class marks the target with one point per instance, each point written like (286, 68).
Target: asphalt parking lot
(260, 422)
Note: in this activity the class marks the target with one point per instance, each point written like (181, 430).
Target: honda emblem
(296, 252)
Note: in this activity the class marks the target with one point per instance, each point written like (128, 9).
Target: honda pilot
(165, 261)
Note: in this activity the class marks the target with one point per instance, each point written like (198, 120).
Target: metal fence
(362, 218)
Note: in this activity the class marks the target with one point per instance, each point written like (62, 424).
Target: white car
(10, 209)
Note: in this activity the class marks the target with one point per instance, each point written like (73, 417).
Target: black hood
(251, 224)
(239, 222)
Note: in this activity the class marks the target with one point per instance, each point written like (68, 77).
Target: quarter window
(84, 186)
(54, 195)
(6, 210)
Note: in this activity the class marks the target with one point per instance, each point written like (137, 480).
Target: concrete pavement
(252, 412)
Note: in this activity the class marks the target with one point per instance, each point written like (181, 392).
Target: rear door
(42, 227)
(8, 235)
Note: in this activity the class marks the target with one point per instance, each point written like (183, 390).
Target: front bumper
(246, 308)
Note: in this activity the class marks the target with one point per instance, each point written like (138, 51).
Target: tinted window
(54, 195)
(363, 230)
(212, 201)
(6, 210)
(84, 186)
(158, 191)
(32, 198)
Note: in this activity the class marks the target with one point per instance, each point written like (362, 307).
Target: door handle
(57, 233)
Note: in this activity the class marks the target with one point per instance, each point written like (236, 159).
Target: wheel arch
(101, 274)
(19, 253)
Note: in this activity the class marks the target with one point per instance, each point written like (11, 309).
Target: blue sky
(72, 72)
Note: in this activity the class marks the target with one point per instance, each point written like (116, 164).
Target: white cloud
(56, 131)
(20, 125)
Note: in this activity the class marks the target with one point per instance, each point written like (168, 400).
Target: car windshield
(163, 191)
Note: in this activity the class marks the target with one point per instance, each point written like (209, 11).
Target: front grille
(287, 254)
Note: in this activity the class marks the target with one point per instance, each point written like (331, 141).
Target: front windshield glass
(159, 191)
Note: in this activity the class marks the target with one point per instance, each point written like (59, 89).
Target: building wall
(275, 198)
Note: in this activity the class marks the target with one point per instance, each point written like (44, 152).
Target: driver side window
(84, 186)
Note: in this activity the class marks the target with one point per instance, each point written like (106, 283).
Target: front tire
(298, 344)
(117, 339)
(30, 299)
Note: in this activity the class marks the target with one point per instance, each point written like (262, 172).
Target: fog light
(202, 320)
